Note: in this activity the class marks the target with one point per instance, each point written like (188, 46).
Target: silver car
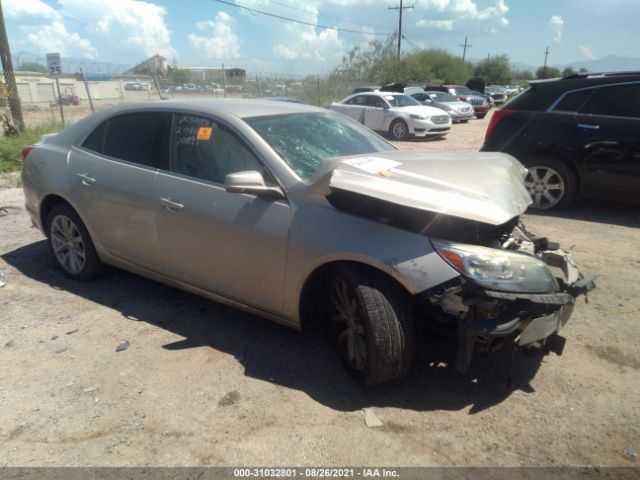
(305, 217)
(458, 110)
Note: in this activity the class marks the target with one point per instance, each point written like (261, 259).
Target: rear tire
(399, 130)
(71, 244)
(372, 323)
(550, 182)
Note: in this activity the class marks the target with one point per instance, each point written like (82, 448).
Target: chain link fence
(42, 102)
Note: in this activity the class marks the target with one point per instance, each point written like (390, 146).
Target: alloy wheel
(67, 244)
(399, 131)
(546, 187)
(346, 323)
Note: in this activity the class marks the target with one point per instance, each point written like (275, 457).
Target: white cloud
(444, 25)
(556, 23)
(221, 42)
(128, 24)
(586, 52)
(29, 12)
(466, 15)
(56, 38)
(44, 29)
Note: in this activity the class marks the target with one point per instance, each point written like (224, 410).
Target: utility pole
(400, 8)
(9, 76)
(464, 49)
(544, 68)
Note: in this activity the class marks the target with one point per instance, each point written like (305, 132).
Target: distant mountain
(610, 63)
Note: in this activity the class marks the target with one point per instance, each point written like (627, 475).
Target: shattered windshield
(303, 140)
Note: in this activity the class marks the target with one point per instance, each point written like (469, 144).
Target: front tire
(399, 130)
(550, 182)
(480, 116)
(71, 245)
(372, 323)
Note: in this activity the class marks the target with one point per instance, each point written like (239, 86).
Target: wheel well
(312, 315)
(47, 204)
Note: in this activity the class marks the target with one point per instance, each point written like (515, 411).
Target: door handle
(588, 126)
(171, 204)
(86, 179)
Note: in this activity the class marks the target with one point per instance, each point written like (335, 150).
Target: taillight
(495, 119)
(26, 150)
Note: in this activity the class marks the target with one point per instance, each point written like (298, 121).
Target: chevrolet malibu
(395, 113)
(305, 217)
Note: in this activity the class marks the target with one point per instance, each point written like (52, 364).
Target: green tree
(525, 75)
(568, 71)
(548, 72)
(583, 70)
(494, 70)
(434, 66)
(177, 76)
(32, 67)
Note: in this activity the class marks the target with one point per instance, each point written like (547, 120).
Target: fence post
(60, 101)
(86, 86)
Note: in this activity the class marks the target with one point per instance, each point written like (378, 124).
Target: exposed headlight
(497, 269)
(419, 117)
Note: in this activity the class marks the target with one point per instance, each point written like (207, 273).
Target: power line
(415, 47)
(329, 17)
(315, 25)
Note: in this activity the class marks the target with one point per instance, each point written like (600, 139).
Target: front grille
(439, 130)
(440, 119)
(464, 109)
(476, 101)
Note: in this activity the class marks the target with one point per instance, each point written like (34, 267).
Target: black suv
(578, 135)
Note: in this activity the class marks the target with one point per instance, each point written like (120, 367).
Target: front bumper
(527, 321)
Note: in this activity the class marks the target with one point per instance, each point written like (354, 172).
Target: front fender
(321, 235)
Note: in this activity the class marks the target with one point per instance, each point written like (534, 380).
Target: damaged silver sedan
(305, 217)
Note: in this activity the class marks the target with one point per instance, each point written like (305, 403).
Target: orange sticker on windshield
(204, 133)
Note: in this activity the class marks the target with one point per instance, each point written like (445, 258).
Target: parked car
(497, 93)
(370, 88)
(481, 105)
(458, 110)
(398, 114)
(578, 136)
(133, 86)
(305, 217)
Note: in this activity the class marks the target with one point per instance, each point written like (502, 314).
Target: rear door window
(573, 101)
(95, 141)
(204, 149)
(141, 137)
(616, 101)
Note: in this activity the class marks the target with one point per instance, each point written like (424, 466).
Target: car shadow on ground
(597, 211)
(269, 352)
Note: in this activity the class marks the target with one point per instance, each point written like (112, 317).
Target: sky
(215, 32)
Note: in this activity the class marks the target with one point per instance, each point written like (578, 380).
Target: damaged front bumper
(487, 319)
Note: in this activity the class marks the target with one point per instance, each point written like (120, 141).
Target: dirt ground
(202, 384)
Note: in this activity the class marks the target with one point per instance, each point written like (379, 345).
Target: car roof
(242, 108)
(225, 108)
(542, 93)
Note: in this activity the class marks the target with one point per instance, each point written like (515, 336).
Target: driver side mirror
(252, 182)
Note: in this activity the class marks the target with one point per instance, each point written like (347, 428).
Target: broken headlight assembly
(495, 269)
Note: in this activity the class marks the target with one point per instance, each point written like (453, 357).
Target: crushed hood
(479, 186)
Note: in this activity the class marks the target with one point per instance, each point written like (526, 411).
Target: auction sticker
(375, 165)
(204, 133)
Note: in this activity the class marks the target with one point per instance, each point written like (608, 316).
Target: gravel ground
(202, 384)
